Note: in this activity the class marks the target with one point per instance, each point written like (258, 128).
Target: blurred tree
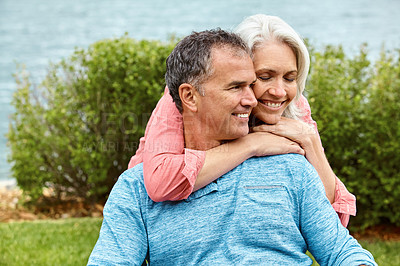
(76, 132)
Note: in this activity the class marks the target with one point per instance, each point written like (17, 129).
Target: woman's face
(276, 86)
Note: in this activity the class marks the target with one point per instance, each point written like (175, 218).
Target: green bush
(356, 105)
(77, 130)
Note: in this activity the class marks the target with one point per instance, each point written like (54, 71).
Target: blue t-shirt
(268, 210)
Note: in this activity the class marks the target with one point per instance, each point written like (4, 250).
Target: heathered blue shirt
(268, 210)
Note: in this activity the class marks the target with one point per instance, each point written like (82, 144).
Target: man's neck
(201, 145)
(196, 137)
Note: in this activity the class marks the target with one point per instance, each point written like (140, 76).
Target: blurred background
(37, 32)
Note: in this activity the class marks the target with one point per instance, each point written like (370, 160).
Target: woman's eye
(290, 78)
(263, 78)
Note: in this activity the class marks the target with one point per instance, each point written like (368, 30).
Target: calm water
(35, 32)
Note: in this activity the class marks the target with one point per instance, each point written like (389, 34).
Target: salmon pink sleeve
(169, 169)
(345, 202)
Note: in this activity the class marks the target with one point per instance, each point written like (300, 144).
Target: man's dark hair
(190, 61)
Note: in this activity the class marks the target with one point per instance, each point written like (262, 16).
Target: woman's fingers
(271, 144)
(264, 128)
(293, 129)
(296, 149)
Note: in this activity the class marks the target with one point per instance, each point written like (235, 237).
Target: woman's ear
(189, 97)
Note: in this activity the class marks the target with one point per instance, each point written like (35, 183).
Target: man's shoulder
(137, 169)
(291, 160)
(293, 165)
(133, 175)
(129, 184)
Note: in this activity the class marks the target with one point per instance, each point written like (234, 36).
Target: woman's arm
(172, 172)
(225, 157)
(169, 169)
(345, 202)
(308, 138)
(300, 132)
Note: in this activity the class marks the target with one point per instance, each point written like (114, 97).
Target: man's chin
(240, 133)
(234, 135)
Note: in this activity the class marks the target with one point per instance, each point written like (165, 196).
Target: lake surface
(35, 32)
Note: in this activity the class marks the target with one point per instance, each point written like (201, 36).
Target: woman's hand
(295, 130)
(221, 159)
(265, 143)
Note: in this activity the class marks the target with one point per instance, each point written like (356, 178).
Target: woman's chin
(267, 117)
(270, 119)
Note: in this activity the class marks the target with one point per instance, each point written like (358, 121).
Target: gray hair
(191, 60)
(257, 29)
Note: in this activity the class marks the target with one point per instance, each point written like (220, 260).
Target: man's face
(229, 99)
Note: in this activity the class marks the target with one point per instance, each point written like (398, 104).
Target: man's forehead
(229, 50)
(231, 70)
(224, 59)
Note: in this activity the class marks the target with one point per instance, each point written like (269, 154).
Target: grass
(70, 241)
(48, 242)
(385, 252)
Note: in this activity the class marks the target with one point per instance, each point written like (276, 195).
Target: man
(268, 210)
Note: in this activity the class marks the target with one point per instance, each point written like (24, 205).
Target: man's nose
(248, 98)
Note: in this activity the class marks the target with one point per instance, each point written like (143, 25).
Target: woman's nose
(277, 89)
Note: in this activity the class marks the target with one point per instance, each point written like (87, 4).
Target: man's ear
(189, 96)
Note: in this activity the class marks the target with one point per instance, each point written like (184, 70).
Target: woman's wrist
(246, 145)
(312, 144)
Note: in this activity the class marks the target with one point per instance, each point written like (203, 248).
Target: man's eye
(264, 78)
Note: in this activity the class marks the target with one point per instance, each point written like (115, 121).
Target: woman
(281, 62)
